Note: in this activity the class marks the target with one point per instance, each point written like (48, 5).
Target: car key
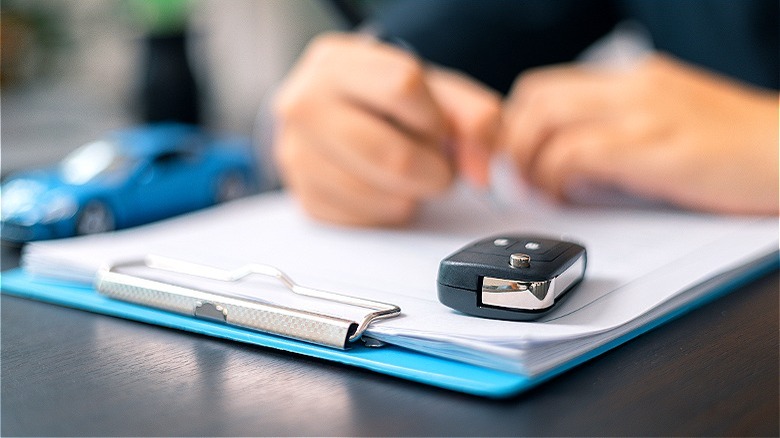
(510, 277)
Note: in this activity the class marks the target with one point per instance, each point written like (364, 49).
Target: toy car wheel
(231, 186)
(95, 217)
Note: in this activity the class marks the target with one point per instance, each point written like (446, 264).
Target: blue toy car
(128, 178)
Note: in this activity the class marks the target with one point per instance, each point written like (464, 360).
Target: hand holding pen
(365, 131)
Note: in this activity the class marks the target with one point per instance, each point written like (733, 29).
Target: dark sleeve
(494, 40)
(737, 38)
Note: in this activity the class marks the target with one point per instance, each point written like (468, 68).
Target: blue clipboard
(390, 360)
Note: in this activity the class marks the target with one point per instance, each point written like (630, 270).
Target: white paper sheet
(642, 262)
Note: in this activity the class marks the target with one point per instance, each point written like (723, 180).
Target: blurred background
(74, 69)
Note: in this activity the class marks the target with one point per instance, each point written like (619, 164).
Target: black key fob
(512, 277)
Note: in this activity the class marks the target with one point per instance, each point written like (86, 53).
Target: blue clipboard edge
(390, 360)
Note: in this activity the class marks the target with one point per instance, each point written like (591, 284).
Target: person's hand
(365, 132)
(662, 130)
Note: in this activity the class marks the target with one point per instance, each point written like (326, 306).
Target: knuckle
(651, 76)
(325, 39)
(406, 77)
(299, 101)
(313, 72)
(324, 46)
(531, 81)
(539, 95)
(287, 105)
(544, 105)
(295, 99)
(487, 118)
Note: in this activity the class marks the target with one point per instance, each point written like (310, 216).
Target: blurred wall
(243, 48)
(67, 67)
(71, 69)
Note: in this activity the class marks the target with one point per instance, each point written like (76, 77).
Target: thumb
(473, 112)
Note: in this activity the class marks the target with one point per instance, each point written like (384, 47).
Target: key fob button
(534, 246)
(494, 245)
(502, 242)
(545, 252)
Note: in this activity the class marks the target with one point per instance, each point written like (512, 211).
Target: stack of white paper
(642, 264)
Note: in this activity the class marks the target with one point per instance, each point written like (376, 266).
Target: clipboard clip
(317, 328)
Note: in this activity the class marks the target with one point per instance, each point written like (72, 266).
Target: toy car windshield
(92, 160)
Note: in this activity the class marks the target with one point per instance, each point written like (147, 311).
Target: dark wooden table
(67, 372)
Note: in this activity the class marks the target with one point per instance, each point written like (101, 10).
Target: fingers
(336, 195)
(606, 153)
(474, 114)
(376, 151)
(376, 77)
(547, 100)
(360, 139)
(664, 130)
